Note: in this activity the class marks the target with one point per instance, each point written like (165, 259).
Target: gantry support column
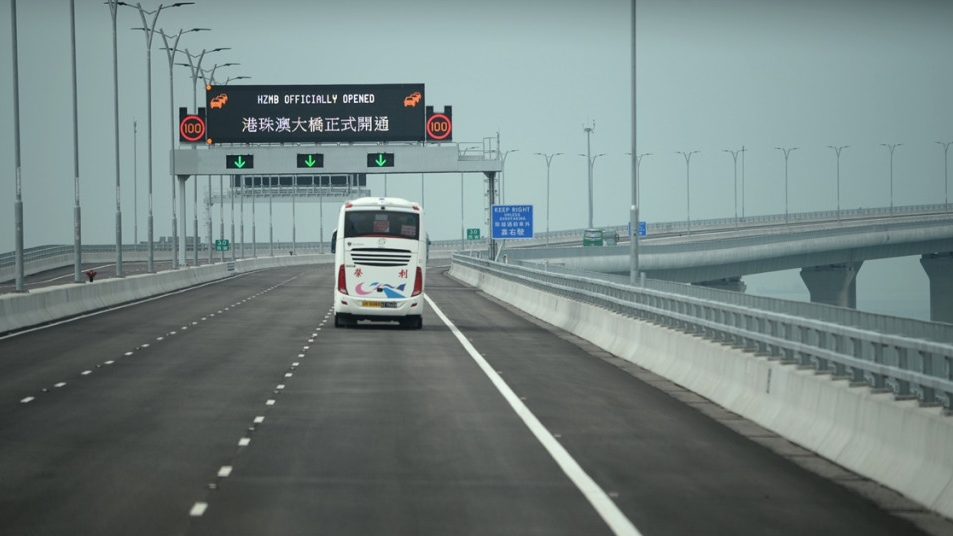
(183, 232)
(833, 284)
(939, 268)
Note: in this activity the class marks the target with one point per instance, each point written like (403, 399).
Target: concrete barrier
(896, 443)
(49, 304)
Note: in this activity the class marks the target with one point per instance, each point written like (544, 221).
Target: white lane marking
(296, 364)
(300, 355)
(288, 375)
(243, 442)
(259, 420)
(127, 354)
(86, 372)
(270, 402)
(280, 386)
(225, 471)
(110, 362)
(198, 509)
(61, 384)
(597, 497)
(27, 400)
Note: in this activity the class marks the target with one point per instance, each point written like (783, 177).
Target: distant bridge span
(829, 255)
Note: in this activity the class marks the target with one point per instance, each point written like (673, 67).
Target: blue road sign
(641, 228)
(511, 222)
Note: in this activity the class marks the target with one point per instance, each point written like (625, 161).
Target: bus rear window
(381, 223)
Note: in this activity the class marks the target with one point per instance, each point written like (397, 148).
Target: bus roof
(393, 202)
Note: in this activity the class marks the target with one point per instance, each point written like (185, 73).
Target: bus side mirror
(334, 242)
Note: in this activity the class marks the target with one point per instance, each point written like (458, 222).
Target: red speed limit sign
(191, 128)
(439, 127)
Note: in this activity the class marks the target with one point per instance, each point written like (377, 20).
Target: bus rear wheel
(340, 321)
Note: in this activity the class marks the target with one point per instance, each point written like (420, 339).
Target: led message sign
(191, 126)
(439, 125)
(380, 160)
(240, 161)
(305, 113)
(310, 160)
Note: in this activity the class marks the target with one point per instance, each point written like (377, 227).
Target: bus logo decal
(389, 290)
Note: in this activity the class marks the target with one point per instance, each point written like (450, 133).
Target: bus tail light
(342, 280)
(418, 282)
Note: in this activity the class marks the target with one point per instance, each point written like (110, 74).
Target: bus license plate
(370, 304)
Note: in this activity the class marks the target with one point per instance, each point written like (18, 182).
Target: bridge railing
(895, 325)
(910, 368)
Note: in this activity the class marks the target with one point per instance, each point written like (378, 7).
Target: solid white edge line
(597, 497)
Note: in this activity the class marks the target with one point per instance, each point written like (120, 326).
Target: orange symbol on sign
(412, 99)
(219, 101)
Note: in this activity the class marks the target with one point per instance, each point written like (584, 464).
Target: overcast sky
(712, 75)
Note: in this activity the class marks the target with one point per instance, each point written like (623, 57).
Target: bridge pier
(939, 269)
(833, 284)
(729, 283)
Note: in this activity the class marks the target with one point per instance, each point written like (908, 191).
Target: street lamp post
(837, 149)
(503, 175)
(743, 150)
(77, 216)
(588, 130)
(688, 187)
(549, 161)
(271, 218)
(196, 71)
(209, 79)
(946, 183)
(231, 191)
(786, 151)
(170, 52)
(221, 213)
(149, 31)
(254, 236)
(891, 147)
(462, 223)
(734, 157)
(591, 162)
(634, 217)
(135, 183)
(18, 202)
(113, 7)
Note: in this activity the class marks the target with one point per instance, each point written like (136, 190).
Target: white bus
(380, 261)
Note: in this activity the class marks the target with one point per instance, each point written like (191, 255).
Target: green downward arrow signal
(380, 160)
(310, 161)
(239, 162)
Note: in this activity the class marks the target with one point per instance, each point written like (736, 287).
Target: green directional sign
(222, 245)
(380, 160)
(310, 160)
(239, 161)
(473, 234)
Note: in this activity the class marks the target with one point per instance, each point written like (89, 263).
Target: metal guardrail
(908, 367)
(895, 325)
